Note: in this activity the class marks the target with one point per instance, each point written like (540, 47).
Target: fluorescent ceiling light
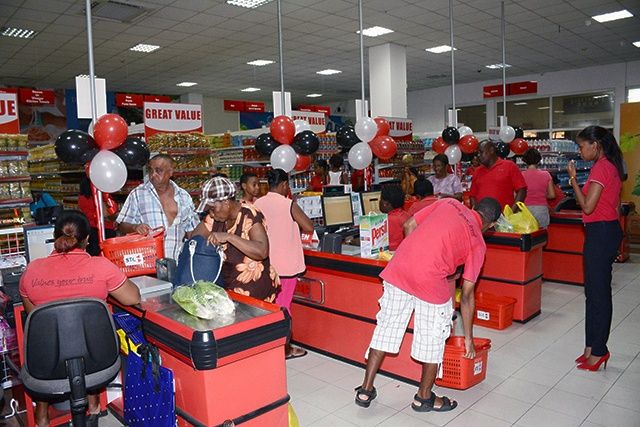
(558, 111)
(543, 108)
(600, 96)
(637, 44)
(186, 84)
(260, 62)
(375, 31)
(519, 103)
(440, 49)
(314, 95)
(497, 66)
(328, 72)
(146, 48)
(19, 33)
(613, 16)
(249, 4)
(250, 89)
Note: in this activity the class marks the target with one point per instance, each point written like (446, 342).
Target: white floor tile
(403, 420)
(333, 371)
(539, 375)
(525, 391)
(331, 421)
(435, 418)
(622, 396)
(611, 415)
(538, 416)
(592, 388)
(307, 413)
(302, 384)
(354, 379)
(371, 416)
(477, 419)
(574, 405)
(630, 380)
(396, 395)
(502, 407)
(329, 398)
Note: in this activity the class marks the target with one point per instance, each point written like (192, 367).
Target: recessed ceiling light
(519, 103)
(440, 49)
(543, 108)
(146, 48)
(497, 66)
(375, 31)
(186, 84)
(19, 33)
(260, 62)
(314, 95)
(613, 16)
(637, 44)
(250, 89)
(328, 72)
(600, 96)
(249, 4)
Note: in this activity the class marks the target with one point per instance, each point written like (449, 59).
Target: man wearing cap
(159, 202)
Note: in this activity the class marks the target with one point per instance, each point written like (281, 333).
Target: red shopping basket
(461, 373)
(136, 255)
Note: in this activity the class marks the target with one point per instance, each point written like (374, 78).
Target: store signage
(129, 100)
(164, 117)
(256, 107)
(9, 113)
(522, 88)
(492, 91)
(400, 129)
(157, 98)
(230, 105)
(315, 108)
(36, 97)
(317, 121)
(9, 90)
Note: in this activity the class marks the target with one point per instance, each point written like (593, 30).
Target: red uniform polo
(448, 235)
(420, 204)
(499, 181)
(397, 218)
(605, 174)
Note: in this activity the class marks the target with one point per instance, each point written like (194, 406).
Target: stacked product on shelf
(410, 153)
(61, 180)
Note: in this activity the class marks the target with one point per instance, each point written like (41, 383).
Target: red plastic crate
(494, 311)
(461, 373)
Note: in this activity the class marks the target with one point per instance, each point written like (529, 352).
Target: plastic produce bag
(523, 221)
(205, 300)
(503, 225)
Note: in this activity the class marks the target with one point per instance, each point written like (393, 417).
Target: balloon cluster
(456, 143)
(511, 140)
(289, 144)
(107, 154)
(369, 137)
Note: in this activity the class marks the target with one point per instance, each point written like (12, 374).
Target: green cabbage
(205, 300)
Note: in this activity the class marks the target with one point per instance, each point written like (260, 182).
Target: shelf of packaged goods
(298, 190)
(243, 147)
(244, 163)
(298, 173)
(52, 173)
(192, 172)
(21, 178)
(563, 170)
(184, 152)
(53, 191)
(13, 153)
(11, 203)
(559, 153)
(387, 179)
(403, 152)
(52, 159)
(401, 165)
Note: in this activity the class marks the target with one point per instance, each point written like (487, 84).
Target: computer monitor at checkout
(337, 211)
(370, 202)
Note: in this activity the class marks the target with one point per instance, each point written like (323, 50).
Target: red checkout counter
(336, 302)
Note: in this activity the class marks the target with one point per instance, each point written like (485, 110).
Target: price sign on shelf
(9, 122)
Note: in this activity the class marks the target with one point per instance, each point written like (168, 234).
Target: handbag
(198, 261)
(149, 393)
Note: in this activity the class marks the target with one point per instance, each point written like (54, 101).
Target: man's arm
(468, 309)
(129, 220)
(126, 228)
(521, 194)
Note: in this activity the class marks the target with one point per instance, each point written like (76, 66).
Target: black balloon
(519, 132)
(75, 146)
(306, 142)
(265, 144)
(467, 157)
(451, 135)
(502, 149)
(133, 152)
(346, 137)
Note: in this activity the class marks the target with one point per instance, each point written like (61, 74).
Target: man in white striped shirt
(159, 202)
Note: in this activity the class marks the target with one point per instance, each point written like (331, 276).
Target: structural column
(388, 80)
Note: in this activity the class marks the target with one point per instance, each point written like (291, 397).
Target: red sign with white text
(400, 129)
(317, 121)
(9, 113)
(164, 117)
(493, 91)
(129, 100)
(36, 97)
(253, 106)
(157, 98)
(315, 108)
(230, 105)
(9, 90)
(522, 88)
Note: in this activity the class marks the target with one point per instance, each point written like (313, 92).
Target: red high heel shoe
(604, 359)
(581, 359)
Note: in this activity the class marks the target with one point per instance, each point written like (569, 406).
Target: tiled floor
(531, 381)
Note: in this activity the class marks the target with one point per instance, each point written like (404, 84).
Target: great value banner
(161, 117)
(317, 121)
(9, 113)
(400, 129)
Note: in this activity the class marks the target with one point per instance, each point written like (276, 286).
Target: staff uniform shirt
(499, 181)
(143, 207)
(604, 173)
(396, 218)
(420, 204)
(75, 274)
(448, 235)
(88, 207)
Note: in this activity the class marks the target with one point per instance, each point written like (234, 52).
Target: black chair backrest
(62, 330)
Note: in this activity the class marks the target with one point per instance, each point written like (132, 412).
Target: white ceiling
(209, 42)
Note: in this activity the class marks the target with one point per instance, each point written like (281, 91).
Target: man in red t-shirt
(391, 201)
(439, 239)
(497, 178)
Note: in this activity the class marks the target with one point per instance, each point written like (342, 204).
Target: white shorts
(432, 325)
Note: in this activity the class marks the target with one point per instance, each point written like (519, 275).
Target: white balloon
(507, 134)
(464, 131)
(283, 157)
(301, 126)
(454, 154)
(360, 155)
(107, 171)
(366, 129)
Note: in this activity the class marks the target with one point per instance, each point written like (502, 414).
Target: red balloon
(302, 162)
(110, 131)
(283, 129)
(439, 146)
(469, 144)
(519, 146)
(383, 126)
(384, 147)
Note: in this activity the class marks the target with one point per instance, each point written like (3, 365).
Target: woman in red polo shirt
(391, 202)
(70, 272)
(599, 199)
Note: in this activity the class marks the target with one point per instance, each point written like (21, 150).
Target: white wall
(427, 107)
(216, 119)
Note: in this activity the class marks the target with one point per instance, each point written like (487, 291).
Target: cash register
(337, 213)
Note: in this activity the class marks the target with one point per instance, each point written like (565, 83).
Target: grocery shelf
(57, 173)
(52, 159)
(20, 178)
(184, 152)
(193, 172)
(14, 153)
(387, 179)
(241, 147)
(15, 202)
(298, 190)
(244, 163)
